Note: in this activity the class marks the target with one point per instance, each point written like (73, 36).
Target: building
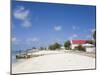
(75, 43)
(88, 47)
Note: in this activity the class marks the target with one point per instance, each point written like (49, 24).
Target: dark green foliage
(91, 41)
(33, 47)
(94, 35)
(51, 47)
(42, 48)
(67, 44)
(54, 46)
(80, 48)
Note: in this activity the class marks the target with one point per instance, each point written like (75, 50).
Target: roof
(78, 41)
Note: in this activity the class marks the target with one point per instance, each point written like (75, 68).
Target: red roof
(79, 41)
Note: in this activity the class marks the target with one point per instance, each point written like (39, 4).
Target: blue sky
(41, 24)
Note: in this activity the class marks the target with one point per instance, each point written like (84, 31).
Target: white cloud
(92, 30)
(21, 13)
(73, 36)
(57, 40)
(26, 24)
(15, 40)
(32, 40)
(75, 27)
(57, 28)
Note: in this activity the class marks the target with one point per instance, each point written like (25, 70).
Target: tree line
(67, 44)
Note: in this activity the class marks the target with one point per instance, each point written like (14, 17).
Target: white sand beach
(54, 61)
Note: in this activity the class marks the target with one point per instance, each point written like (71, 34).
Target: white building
(75, 43)
(88, 47)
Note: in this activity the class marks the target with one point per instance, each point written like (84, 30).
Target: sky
(36, 24)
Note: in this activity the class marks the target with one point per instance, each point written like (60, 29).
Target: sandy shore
(54, 61)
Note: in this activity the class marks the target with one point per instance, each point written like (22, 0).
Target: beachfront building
(75, 43)
(88, 47)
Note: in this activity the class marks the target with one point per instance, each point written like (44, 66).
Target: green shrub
(55, 46)
(80, 48)
(67, 45)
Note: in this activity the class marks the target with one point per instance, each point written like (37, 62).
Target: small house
(75, 43)
(88, 47)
